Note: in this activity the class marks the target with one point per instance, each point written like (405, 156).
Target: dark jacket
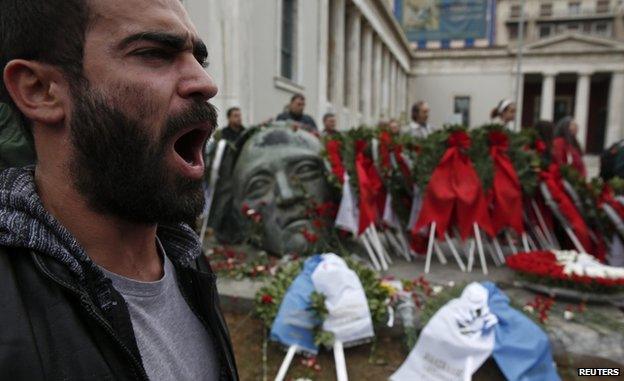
(16, 145)
(304, 119)
(61, 318)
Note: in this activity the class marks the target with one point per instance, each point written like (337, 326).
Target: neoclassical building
(349, 57)
(572, 64)
(352, 58)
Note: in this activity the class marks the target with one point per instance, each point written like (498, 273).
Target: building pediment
(573, 43)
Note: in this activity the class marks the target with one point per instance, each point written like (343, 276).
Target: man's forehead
(121, 18)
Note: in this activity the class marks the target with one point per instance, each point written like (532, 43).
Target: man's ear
(39, 90)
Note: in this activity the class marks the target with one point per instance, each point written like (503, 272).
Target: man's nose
(196, 82)
(286, 194)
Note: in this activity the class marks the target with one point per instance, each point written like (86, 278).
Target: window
(461, 107)
(515, 10)
(602, 6)
(545, 31)
(602, 29)
(573, 27)
(512, 30)
(574, 7)
(587, 27)
(288, 39)
(546, 9)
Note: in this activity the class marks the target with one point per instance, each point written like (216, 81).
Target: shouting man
(99, 280)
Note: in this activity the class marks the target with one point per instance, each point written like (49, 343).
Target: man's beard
(121, 171)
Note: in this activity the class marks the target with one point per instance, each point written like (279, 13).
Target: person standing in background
(235, 127)
(295, 113)
(566, 149)
(394, 127)
(504, 112)
(329, 124)
(419, 126)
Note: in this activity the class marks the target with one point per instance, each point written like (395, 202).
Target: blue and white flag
(455, 342)
(295, 321)
(522, 349)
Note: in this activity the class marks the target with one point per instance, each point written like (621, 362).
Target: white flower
(528, 309)
(568, 315)
(451, 284)
(436, 289)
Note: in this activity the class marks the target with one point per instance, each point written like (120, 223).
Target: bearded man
(99, 279)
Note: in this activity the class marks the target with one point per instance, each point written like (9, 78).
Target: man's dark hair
(416, 107)
(231, 110)
(48, 31)
(297, 96)
(328, 115)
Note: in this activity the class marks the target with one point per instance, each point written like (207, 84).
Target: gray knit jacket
(25, 224)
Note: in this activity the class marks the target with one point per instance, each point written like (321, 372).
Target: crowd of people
(560, 139)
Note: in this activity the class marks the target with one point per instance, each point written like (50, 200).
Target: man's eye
(154, 54)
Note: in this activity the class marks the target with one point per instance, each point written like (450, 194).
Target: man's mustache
(198, 113)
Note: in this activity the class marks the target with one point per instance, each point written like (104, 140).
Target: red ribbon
(385, 141)
(608, 197)
(370, 186)
(552, 179)
(454, 193)
(398, 156)
(335, 159)
(506, 190)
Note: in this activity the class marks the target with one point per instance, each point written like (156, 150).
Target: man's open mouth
(188, 148)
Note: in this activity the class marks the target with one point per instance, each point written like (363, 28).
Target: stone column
(581, 105)
(548, 97)
(615, 120)
(377, 79)
(366, 77)
(385, 84)
(323, 73)
(392, 87)
(519, 96)
(336, 54)
(353, 60)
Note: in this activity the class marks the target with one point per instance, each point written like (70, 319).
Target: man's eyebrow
(170, 40)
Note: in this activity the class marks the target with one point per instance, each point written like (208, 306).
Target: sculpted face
(279, 170)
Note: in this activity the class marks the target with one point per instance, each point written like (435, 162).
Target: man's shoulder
(283, 116)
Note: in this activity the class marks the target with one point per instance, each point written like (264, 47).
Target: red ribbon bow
(454, 193)
(370, 186)
(506, 191)
(552, 178)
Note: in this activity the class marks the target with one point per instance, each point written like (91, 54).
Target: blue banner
(426, 20)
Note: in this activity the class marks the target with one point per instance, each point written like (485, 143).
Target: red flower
(267, 299)
(309, 236)
(327, 209)
(540, 146)
(245, 209)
